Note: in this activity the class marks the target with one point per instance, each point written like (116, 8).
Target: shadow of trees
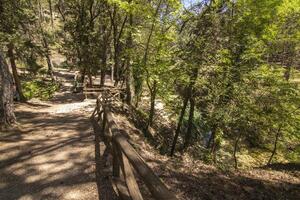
(208, 184)
(103, 172)
(26, 153)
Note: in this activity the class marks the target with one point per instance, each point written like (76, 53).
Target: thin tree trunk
(235, 150)
(275, 146)
(83, 75)
(48, 56)
(112, 72)
(145, 58)
(12, 59)
(190, 124)
(103, 69)
(185, 102)
(152, 103)
(50, 66)
(7, 116)
(102, 78)
(90, 80)
(51, 13)
(116, 40)
(41, 12)
(193, 77)
(129, 71)
(211, 138)
(45, 43)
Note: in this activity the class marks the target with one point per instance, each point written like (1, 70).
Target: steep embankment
(191, 179)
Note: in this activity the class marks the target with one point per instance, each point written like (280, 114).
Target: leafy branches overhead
(224, 70)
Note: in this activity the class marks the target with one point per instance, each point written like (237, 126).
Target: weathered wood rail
(126, 162)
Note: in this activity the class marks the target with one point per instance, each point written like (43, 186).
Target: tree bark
(129, 71)
(83, 75)
(153, 92)
(102, 78)
(90, 79)
(185, 102)
(117, 44)
(7, 116)
(12, 59)
(190, 124)
(50, 65)
(103, 68)
(51, 13)
(46, 45)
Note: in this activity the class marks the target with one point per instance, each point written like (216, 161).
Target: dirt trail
(53, 154)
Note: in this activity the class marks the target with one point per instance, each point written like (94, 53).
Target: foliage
(227, 69)
(39, 89)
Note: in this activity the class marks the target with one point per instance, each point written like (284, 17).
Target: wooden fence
(126, 161)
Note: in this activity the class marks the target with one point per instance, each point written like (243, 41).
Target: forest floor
(192, 179)
(51, 154)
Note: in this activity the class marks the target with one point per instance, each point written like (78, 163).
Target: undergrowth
(39, 89)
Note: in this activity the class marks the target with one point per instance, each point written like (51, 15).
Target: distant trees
(23, 39)
(240, 91)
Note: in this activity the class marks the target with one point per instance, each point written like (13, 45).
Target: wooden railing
(126, 161)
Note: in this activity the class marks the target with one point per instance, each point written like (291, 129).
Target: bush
(39, 89)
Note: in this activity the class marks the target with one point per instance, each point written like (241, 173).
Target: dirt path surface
(52, 156)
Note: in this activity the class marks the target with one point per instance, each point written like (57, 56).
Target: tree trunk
(185, 102)
(117, 45)
(235, 150)
(129, 71)
(48, 55)
(90, 80)
(45, 43)
(12, 59)
(102, 78)
(190, 124)
(7, 116)
(211, 138)
(112, 72)
(51, 13)
(275, 146)
(103, 69)
(152, 103)
(50, 66)
(83, 76)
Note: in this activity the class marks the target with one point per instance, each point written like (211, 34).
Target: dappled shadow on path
(52, 157)
(68, 97)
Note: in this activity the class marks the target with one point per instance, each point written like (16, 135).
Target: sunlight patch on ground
(71, 107)
(26, 197)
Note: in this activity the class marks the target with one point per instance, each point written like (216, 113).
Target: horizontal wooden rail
(126, 161)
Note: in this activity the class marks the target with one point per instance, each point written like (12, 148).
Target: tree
(12, 59)
(7, 116)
